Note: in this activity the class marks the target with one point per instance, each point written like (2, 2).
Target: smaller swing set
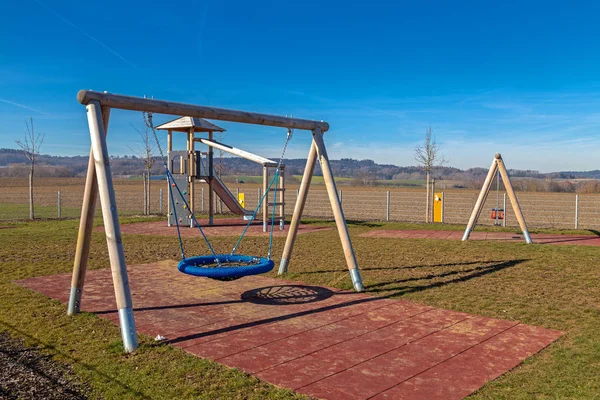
(224, 267)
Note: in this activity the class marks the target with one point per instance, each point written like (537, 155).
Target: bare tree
(428, 157)
(146, 155)
(31, 147)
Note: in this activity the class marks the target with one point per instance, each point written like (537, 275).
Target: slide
(229, 198)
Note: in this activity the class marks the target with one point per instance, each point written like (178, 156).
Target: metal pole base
(74, 301)
(127, 323)
(527, 237)
(283, 266)
(356, 280)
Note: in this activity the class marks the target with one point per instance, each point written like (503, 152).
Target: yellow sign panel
(241, 200)
(438, 206)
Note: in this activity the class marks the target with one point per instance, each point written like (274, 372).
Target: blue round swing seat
(231, 266)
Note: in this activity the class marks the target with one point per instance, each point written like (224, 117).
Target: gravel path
(29, 374)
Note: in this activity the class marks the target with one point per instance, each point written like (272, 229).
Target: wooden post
(513, 199)
(191, 174)
(266, 197)
(301, 196)
(340, 221)
(211, 195)
(86, 224)
(111, 226)
(480, 200)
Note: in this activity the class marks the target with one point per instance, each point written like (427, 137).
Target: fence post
(442, 207)
(145, 201)
(258, 199)
(202, 202)
(387, 206)
(58, 204)
(576, 211)
(504, 208)
(160, 200)
(341, 198)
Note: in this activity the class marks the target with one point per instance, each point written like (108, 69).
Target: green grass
(21, 211)
(551, 286)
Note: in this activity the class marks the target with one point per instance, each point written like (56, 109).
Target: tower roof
(183, 124)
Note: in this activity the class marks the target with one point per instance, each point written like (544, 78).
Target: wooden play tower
(192, 166)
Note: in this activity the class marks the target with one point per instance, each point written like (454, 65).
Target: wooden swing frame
(99, 182)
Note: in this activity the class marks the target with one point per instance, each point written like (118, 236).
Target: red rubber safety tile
(313, 367)
(277, 352)
(343, 345)
(470, 370)
(384, 372)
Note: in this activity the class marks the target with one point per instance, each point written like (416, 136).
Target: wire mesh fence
(62, 198)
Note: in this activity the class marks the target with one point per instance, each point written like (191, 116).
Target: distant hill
(14, 163)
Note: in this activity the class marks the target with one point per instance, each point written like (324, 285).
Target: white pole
(387, 206)
(202, 202)
(58, 204)
(112, 228)
(341, 198)
(576, 211)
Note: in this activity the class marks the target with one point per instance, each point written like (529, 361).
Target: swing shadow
(390, 292)
(280, 295)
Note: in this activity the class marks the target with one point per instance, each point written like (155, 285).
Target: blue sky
(516, 77)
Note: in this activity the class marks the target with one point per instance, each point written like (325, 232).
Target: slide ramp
(229, 199)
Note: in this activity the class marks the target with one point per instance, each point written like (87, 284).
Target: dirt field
(554, 210)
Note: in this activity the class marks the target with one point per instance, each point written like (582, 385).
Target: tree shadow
(405, 267)
(472, 273)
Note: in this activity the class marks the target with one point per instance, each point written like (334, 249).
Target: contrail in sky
(22, 106)
(66, 21)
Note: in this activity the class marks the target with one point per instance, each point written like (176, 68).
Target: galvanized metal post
(387, 206)
(576, 211)
(442, 207)
(145, 200)
(160, 201)
(202, 202)
(341, 198)
(505, 213)
(258, 199)
(58, 204)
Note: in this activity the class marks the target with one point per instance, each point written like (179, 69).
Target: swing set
(217, 266)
